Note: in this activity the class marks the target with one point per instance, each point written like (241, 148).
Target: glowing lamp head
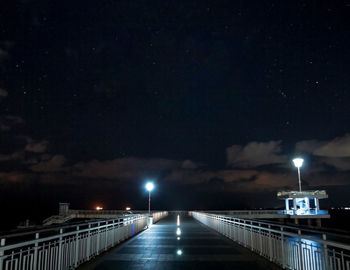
(298, 162)
(149, 186)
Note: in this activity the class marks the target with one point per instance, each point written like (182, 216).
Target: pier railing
(67, 246)
(269, 213)
(283, 245)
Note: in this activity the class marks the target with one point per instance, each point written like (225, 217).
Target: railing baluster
(282, 249)
(325, 250)
(2, 244)
(294, 251)
(67, 249)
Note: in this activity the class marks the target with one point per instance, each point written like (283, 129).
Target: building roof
(319, 194)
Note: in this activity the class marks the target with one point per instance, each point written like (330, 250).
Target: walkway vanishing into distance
(159, 248)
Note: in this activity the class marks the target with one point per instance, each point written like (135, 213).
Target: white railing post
(300, 251)
(59, 261)
(270, 244)
(2, 244)
(76, 257)
(36, 247)
(244, 234)
(66, 246)
(251, 236)
(292, 252)
(106, 236)
(113, 233)
(88, 243)
(260, 241)
(342, 259)
(282, 249)
(98, 239)
(325, 251)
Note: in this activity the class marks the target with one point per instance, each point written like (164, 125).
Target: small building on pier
(304, 204)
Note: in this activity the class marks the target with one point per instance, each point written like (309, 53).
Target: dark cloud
(13, 156)
(255, 154)
(124, 168)
(339, 164)
(334, 153)
(53, 165)
(4, 51)
(247, 180)
(3, 92)
(189, 164)
(37, 147)
(308, 146)
(14, 119)
(4, 127)
(4, 56)
(248, 176)
(336, 148)
(9, 121)
(13, 177)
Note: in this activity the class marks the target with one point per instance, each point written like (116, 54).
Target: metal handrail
(291, 250)
(66, 247)
(276, 224)
(264, 212)
(56, 227)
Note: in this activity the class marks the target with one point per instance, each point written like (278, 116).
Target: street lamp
(298, 162)
(149, 187)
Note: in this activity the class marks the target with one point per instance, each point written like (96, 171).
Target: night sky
(210, 99)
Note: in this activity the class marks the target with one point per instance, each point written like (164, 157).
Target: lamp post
(149, 187)
(298, 162)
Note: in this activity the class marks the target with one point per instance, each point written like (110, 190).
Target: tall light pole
(149, 187)
(298, 162)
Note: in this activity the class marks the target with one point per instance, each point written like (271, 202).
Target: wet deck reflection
(179, 243)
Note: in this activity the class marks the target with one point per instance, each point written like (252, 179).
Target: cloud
(3, 92)
(8, 121)
(189, 164)
(334, 153)
(14, 119)
(337, 148)
(255, 154)
(340, 164)
(124, 168)
(38, 147)
(45, 157)
(4, 127)
(4, 55)
(12, 177)
(52, 165)
(308, 146)
(14, 156)
(235, 181)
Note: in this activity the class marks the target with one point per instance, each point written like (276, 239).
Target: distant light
(178, 220)
(127, 208)
(178, 238)
(179, 252)
(149, 186)
(178, 231)
(98, 208)
(347, 208)
(298, 162)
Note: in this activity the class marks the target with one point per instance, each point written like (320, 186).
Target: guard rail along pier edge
(67, 246)
(280, 244)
